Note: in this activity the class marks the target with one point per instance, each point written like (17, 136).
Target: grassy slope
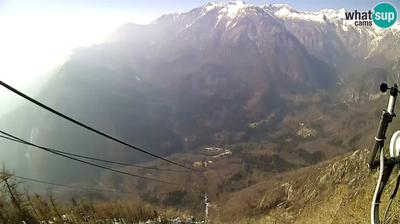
(335, 191)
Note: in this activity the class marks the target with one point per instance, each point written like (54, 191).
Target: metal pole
(384, 169)
(206, 202)
(206, 207)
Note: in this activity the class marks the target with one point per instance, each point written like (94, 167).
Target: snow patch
(229, 10)
(285, 13)
(233, 8)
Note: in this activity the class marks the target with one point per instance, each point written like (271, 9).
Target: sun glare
(32, 44)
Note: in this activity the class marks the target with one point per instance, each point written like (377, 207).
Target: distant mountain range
(219, 74)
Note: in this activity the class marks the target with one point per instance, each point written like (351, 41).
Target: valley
(273, 108)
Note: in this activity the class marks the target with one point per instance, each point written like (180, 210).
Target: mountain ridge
(281, 93)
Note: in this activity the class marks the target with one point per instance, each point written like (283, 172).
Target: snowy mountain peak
(276, 7)
(281, 6)
(285, 11)
(238, 3)
(229, 10)
(228, 15)
(333, 14)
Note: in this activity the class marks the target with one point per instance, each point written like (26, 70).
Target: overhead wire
(84, 188)
(12, 89)
(104, 160)
(21, 141)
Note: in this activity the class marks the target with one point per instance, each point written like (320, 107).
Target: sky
(38, 35)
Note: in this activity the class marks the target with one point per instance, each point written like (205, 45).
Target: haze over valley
(267, 96)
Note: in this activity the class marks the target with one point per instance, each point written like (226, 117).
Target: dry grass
(18, 207)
